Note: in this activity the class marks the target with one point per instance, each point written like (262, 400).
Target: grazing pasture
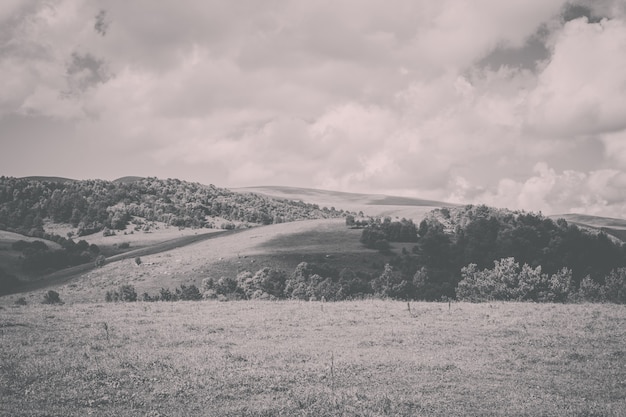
(360, 358)
(281, 246)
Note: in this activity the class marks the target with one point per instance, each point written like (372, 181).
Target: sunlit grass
(313, 359)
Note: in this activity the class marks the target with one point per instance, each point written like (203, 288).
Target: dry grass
(281, 246)
(368, 358)
(369, 204)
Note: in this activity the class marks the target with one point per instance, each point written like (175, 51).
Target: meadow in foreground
(365, 358)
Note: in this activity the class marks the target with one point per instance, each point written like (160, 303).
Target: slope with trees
(93, 205)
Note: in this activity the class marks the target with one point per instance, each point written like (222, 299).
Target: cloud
(600, 192)
(431, 99)
(582, 90)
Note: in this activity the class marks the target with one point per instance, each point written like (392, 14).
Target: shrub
(124, 245)
(614, 289)
(138, 260)
(391, 284)
(21, 301)
(266, 283)
(51, 297)
(191, 293)
(507, 281)
(226, 285)
(589, 290)
(125, 293)
(166, 295)
(100, 261)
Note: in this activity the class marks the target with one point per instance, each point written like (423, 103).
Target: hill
(324, 242)
(127, 180)
(48, 179)
(108, 217)
(93, 205)
(611, 226)
(370, 204)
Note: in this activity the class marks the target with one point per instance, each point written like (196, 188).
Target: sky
(518, 104)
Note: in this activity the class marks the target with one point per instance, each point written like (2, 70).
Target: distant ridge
(48, 179)
(369, 204)
(609, 225)
(370, 199)
(127, 180)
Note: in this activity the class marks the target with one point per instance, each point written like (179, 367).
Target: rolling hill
(175, 255)
(611, 226)
(369, 204)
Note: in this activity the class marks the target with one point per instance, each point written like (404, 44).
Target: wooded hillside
(93, 205)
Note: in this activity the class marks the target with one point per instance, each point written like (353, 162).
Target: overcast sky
(518, 104)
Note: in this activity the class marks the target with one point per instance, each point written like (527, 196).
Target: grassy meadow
(281, 246)
(361, 358)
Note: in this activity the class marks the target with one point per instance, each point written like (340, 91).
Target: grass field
(281, 246)
(362, 358)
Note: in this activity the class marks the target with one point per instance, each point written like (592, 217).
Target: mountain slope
(369, 204)
(611, 226)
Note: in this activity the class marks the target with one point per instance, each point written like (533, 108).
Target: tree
(350, 220)
(51, 297)
(391, 284)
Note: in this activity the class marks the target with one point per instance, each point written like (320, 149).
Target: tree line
(93, 205)
(449, 241)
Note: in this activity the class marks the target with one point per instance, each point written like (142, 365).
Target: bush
(21, 301)
(507, 281)
(52, 297)
(190, 293)
(100, 261)
(391, 284)
(138, 260)
(126, 293)
(614, 289)
(589, 290)
(166, 295)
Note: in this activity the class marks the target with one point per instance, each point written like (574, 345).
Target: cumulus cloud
(445, 99)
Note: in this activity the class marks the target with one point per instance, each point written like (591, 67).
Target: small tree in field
(100, 261)
(52, 297)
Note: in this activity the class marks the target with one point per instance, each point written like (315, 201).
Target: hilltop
(87, 218)
(369, 204)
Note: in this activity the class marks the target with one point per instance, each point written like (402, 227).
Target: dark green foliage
(378, 234)
(479, 235)
(94, 205)
(23, 246)
(7, 281)
(100, 261)
(267, 283)
(391, 284)
(507, 281)
(614, 288)
(166, 295)
(51, 297)
(188, 293)
(37, 258)
(125, 293)
(350, 222)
